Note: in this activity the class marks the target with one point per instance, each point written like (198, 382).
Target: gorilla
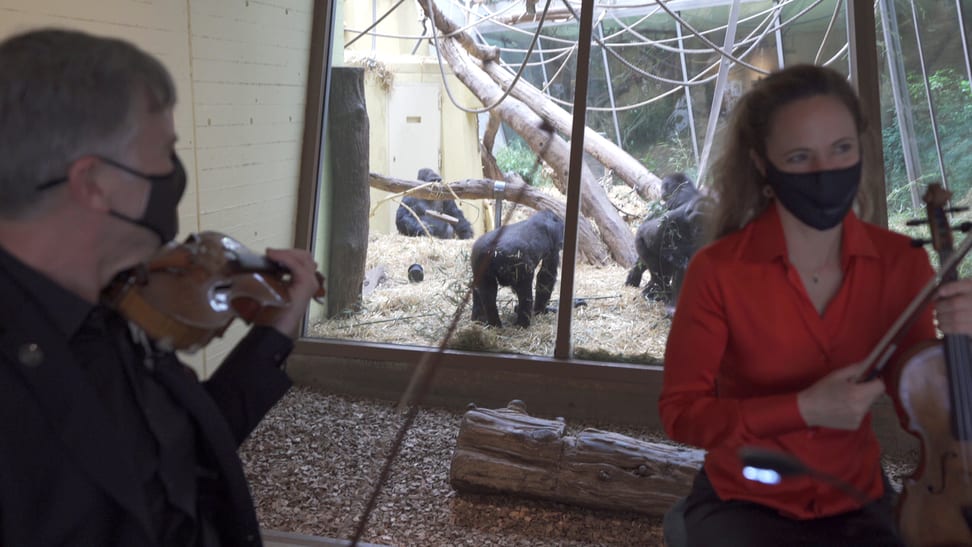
(510, 260)
(408, 225)
(667, 242)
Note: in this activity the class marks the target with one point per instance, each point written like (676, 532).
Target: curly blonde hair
(734, 179)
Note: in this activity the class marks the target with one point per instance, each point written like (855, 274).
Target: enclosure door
(414, 139)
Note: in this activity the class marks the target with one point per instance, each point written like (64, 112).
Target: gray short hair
(64, 94)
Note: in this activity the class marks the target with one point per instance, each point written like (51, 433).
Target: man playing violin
(107, 440)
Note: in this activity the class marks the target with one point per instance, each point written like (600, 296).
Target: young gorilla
(511, 261)
(667, 242)
(408, 225)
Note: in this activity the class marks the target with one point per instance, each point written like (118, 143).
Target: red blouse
(746, 338)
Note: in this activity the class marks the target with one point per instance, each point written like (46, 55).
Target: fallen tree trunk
(627, 168)
(508, 451)
(590, 246)
(595, 203)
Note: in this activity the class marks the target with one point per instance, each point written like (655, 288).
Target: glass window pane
(658, 94)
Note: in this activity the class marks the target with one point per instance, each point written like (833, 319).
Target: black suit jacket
(61, 482)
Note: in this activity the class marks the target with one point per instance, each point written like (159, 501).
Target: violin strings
(958, 374)
(962, 376)
(959, 377)
(960, 380)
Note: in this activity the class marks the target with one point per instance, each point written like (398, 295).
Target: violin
(932, 389)
(187, 294)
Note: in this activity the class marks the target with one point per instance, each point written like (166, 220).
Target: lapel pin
(30, 355)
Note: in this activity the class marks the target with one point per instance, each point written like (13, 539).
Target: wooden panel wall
(249, 76)
(241, 71)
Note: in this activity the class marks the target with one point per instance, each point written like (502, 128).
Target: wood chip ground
(314, 459)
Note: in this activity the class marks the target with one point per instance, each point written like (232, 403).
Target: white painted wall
(241, 70)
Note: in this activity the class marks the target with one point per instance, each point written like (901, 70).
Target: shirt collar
(764, 239)
(64, 308)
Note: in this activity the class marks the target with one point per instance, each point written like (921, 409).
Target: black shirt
(153, 430)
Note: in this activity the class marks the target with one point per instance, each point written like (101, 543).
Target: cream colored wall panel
(243, 134)
(278, 14)
(147, 13)
(249, 75)
(259, 224)
(414, 129)
(213, 115)
(160, 30)
(230, 197)
(188, 207)
(206, 47)
(248, 72)
(223, 93)
(250, 182)
(266, 33)
(226, 156)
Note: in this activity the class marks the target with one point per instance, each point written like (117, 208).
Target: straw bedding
(404, 312)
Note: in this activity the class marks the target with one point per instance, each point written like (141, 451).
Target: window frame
(558, 384)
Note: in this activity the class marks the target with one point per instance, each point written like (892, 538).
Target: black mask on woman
(820, 199)
(161, 214)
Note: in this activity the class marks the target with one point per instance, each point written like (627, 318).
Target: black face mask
(820, 199)
(161, 212)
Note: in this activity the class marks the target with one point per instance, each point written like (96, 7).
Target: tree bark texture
(590, 246)
(627, 168)
(348, 221)
(508, 451)
(554, 150)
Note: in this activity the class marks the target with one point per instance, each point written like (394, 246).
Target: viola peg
(956, 209)
(916, 222)
(963, 227)
(918, 242)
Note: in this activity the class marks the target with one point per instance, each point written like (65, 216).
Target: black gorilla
(511, 262)
(666, 243)
(408, 225)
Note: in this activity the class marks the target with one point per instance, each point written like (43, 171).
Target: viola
(932, 390)
(189, 293)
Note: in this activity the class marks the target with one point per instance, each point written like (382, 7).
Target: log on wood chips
(508, 451)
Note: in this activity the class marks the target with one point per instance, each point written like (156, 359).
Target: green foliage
(518, 157)
(952, 98)
(671, 156)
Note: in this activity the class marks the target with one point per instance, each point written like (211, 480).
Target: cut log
(507, 451)
(554, 150)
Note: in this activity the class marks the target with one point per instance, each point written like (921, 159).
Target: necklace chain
(815, 274)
